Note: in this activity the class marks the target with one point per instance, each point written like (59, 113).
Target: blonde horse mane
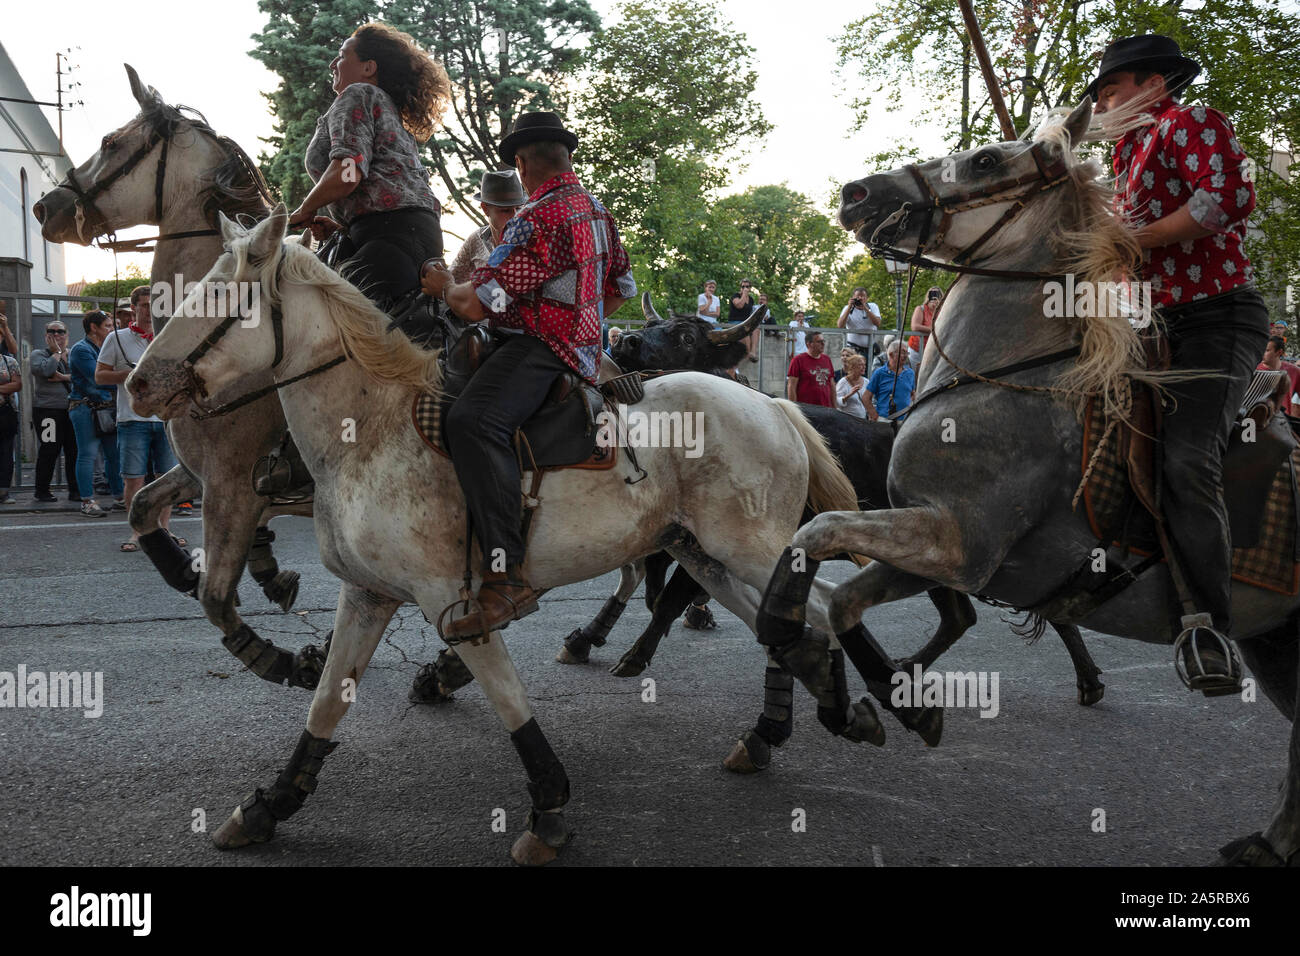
(1099, 247)
(385, 355)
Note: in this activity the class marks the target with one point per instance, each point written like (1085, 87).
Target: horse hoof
(1091, 695)
(232, 834)
(282, 589)
(744, 760)
(541, 843)
(864, 725)
(308, 665)
(566, 656)
(628, 667)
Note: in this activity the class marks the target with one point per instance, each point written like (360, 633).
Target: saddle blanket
(1110, 504)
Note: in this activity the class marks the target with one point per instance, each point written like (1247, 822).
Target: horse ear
(268, 234)
(1076, 124)
(229, 230)
(144, 95)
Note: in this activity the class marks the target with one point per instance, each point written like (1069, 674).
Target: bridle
(1048, 173)
(196, 388)
(157, 134)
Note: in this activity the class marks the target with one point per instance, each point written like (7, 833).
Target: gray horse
(983, 476)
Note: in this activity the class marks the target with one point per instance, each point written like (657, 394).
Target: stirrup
(1202, 643)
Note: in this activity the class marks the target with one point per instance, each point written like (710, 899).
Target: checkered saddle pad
(1271, 560)
(549, 441)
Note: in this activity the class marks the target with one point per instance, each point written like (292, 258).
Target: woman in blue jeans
(85, 394)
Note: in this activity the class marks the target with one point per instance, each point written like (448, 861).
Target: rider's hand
(434, 278)
(322, 227)
(300, 218)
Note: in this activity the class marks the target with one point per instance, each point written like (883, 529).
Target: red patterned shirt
(558, 260)
(1189, 156)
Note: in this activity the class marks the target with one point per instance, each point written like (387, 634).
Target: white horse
(391, 520)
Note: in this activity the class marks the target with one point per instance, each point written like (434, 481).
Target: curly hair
(417, 82)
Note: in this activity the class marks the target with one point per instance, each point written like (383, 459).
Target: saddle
(561, 434)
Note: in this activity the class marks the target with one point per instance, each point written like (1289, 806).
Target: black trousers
(382, 252)
(501, 396)
(1227, 334)
(48, 451)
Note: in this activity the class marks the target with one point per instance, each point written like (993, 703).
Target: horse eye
(106, 143)
(985, 162)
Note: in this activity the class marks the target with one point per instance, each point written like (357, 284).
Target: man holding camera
(861, 318)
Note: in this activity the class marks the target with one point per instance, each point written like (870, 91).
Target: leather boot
(504, 596)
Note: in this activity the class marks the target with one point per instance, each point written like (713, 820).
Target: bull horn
(648, 309)
(738, 332)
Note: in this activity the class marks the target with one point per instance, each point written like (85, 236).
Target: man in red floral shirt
(1185, 184)
(559, 270)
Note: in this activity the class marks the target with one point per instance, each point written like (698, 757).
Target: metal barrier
(28, 326)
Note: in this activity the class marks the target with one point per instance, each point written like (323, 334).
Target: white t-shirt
(799, 345)
(706, 301)
(122, 350)
(859, 322)
(852, 405)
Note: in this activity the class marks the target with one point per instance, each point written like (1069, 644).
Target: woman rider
(366, 165)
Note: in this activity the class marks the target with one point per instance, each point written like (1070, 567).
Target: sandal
(129, 546)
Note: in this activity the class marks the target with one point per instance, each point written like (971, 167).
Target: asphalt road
(185, 729)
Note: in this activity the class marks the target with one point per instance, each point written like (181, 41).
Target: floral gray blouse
(363, 125)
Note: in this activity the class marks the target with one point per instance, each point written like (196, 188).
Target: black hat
(501, 188)
(533, 128)
(1153, 52)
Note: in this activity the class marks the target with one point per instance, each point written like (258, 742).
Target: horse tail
(829, 489)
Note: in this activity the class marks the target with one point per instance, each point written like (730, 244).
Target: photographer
(50, 377)
(742, 307)
(923, 315)
(860, 317)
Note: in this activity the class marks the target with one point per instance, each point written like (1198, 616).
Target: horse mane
(385, 354)
(1097, 246)
(236, 185)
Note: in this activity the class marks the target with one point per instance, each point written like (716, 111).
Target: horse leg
(1274, 661)
(229, 522)
(753, 751)
(656, 572)
(280, 587)
(956, 617)
(489, 661)
(1086, 672)
(577, 646)
(147, 508)
(358, 625)
(672, 601)
(810, 654)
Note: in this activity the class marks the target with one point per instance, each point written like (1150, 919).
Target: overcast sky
(197, 54)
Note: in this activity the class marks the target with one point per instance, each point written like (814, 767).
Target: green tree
(299, 40)
(119, 287)
(788, 244)
(1046, 51)
(664, 106)
(503, 58)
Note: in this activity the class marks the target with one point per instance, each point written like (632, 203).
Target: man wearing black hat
(1184, 183)
(500, 195)
(558, 271)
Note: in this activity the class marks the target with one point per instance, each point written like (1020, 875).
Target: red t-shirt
(1292, 372)
(815, 376)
